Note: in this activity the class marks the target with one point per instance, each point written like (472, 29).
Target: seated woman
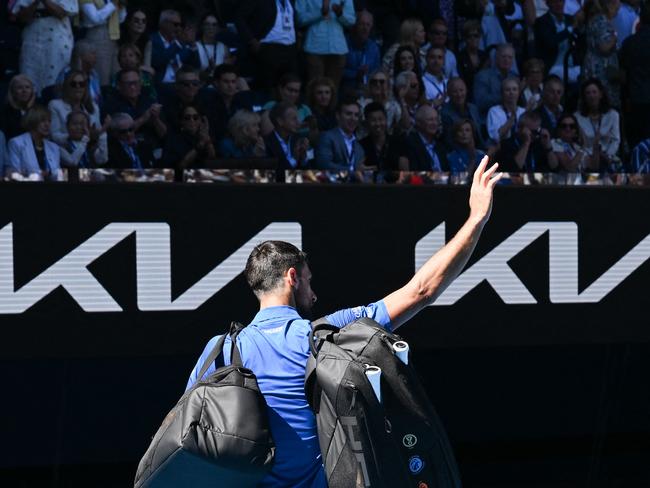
(321, 94)
(406, 59)
(409, 92)
(84, 59)
(532, 84)
(80, 150)
(571, 156)
(502, 118)
(76, 96)
(379, 90)
(245, 140)
(31, 155)
(211, 51)
(192, 147)
(599, 125)
(21, 96)
(129, 56)
(465, 157)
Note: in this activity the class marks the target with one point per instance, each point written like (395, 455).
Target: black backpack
(398, 442)
(217, 434)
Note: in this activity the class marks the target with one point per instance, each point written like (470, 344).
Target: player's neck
(277, 300)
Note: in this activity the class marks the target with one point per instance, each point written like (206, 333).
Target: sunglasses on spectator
(191, 117)
(77, 84)
(189, 83)
(378, 81)
(128, 130)
(567, 126)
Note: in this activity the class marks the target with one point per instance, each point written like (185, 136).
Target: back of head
(268, 262)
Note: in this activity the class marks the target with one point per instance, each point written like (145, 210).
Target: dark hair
(77, 113)
(122, 72)
(345, 101)
(34, 116)
(204, 17)
(187, 69)
(568, 115)
(373, 107)
(278, 110)
(604, 101)
(287, 78)
(223, 69)
(553, 79)
(269, 261)
(397, 68)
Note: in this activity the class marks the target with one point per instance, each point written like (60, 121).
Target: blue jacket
(367, 54)
(332, 153)
(3, 155)
(324, 35)
(161, 56)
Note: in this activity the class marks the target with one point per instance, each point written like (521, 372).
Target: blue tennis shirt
(275, 346)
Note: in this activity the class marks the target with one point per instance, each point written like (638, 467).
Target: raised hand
(480, 197)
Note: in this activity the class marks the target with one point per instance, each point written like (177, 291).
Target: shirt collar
(425, 142)
(272, 313)
(346, 138)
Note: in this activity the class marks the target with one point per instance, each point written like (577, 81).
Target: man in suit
(168, 52)
(550, 110)
(267, 28)
(338, 148)
(487, 82)
(553, 34)
(422, 149)
(282, 144)
(124, 150)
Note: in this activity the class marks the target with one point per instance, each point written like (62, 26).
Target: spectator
(325, 42)
(363, 55)
(465, 156)
(502, 118)
(458, 108)
(83, 148)
(75, 97)
(20, 98)
(147, 116)
(439, 37)
(625, 19)
(31, 155)
(185, 92)
(282, 143)
(124, 149)
(532, 86)
(223, 99)
(640, 161)
(406, 59)
(635, 60)
(487, 83)
(434, 79)
(409, 91)
(528, 149)
(47, 38)
(4, 161)
(190, 146)
(422, 149)
(288, 90)
(84, 58)
(267, 28)
(244, 139)
(599, 124)
(379, 90)
(321, 94)
(554, 32)
(550, 109)
(600, 59)
(471, 59)
(381, 150)
(411, 33)
(567, 146)
(129, 57)
(165, 51)
(134, 29)
(101, 19)
(338, 148)
(211, 52)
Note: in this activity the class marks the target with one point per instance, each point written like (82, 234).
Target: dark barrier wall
(538, 352)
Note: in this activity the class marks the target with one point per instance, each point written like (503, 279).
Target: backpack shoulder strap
(214, 354)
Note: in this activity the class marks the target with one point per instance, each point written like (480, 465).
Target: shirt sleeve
(376, 311)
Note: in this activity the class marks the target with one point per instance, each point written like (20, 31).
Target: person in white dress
(47, 38)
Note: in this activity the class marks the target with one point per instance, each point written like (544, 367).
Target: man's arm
(445, 265)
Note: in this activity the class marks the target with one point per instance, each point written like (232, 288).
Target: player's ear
(292, 275)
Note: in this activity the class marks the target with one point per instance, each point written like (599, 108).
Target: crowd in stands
(389, 85)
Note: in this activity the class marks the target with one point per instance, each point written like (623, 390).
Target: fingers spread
(486, 176)
(481, 167)
(493, 181)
